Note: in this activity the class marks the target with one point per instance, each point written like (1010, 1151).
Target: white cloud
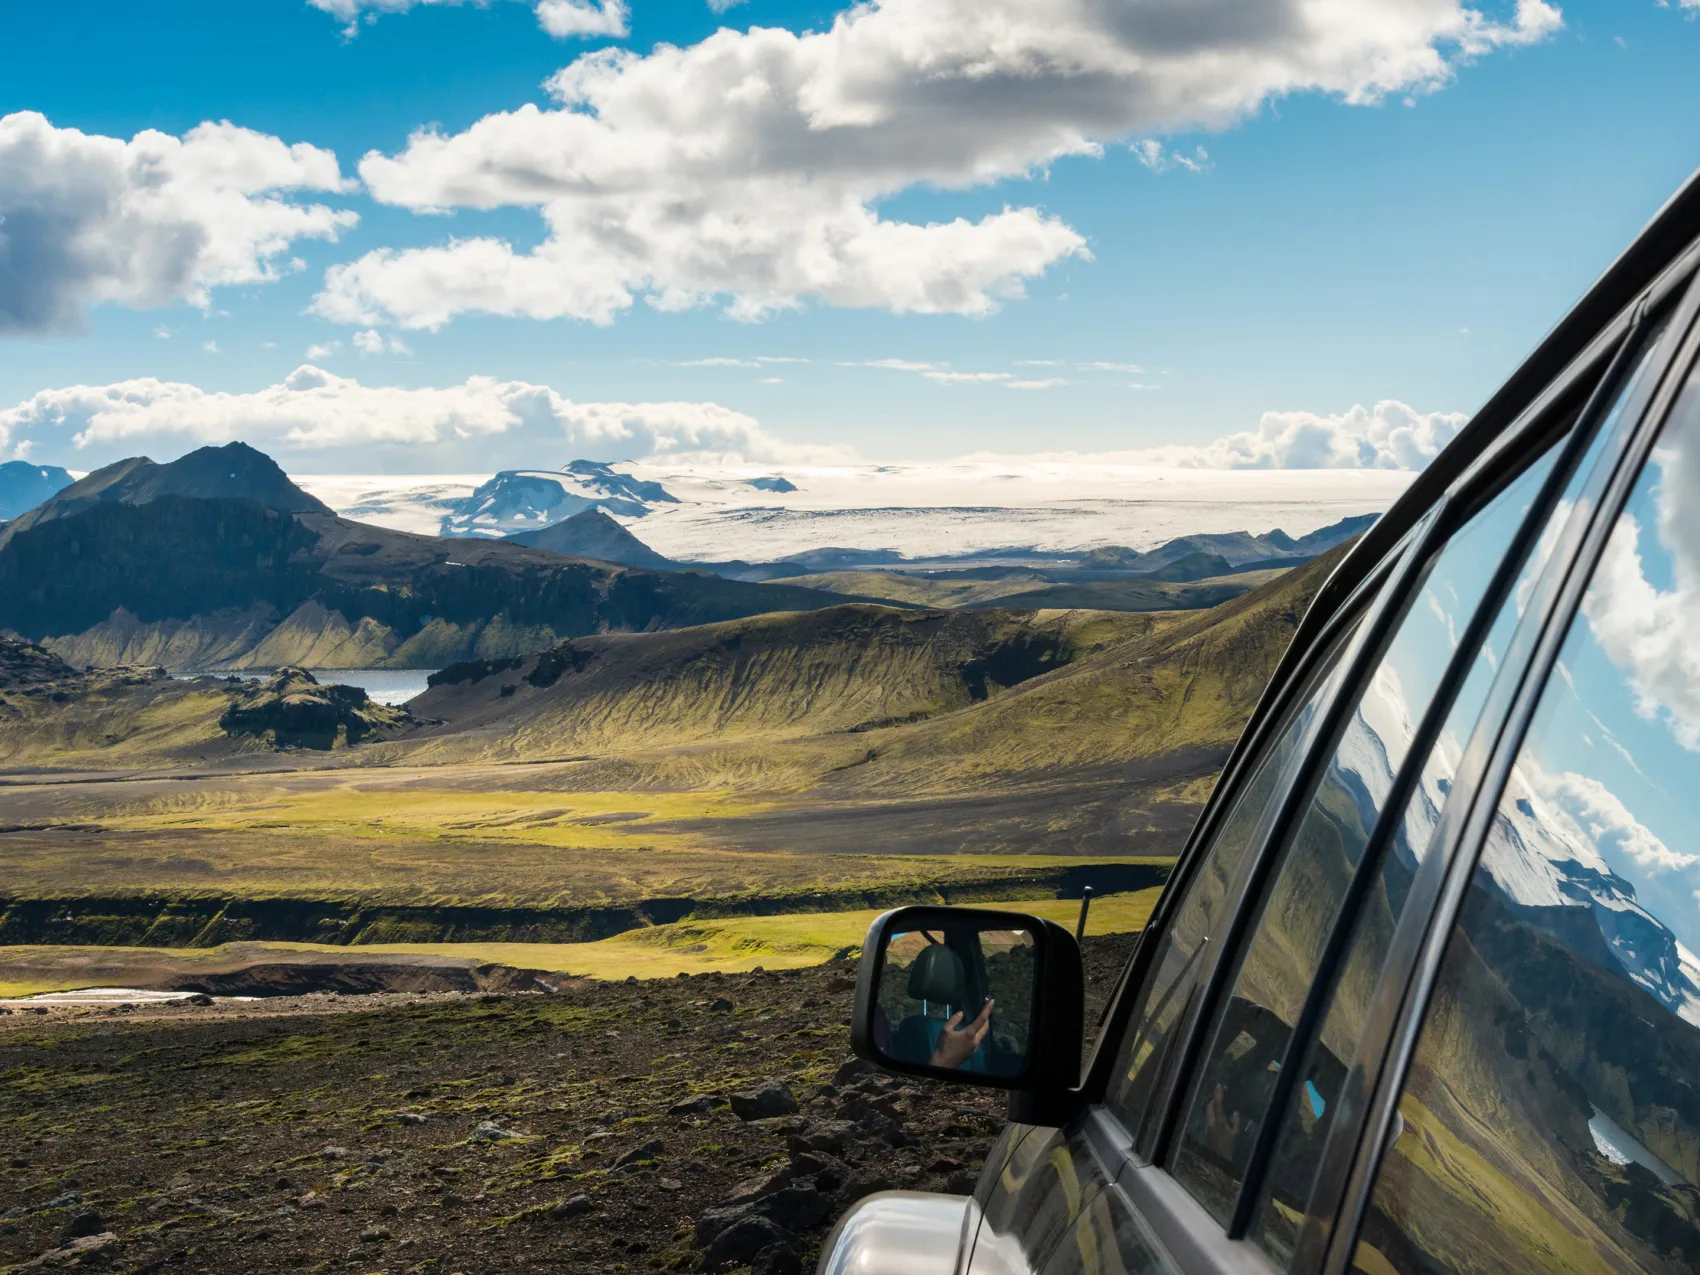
(560, 18)
(87, 219)
(1152, 154)
(721, 6)
(1390, 435)
(564, 19)
(749, 169)
(944, 374)
(316, 352)
(211, 347)
(1132, 368)
(721, 362)
(313, 408)
(371, 341)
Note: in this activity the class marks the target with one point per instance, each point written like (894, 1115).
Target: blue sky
(1327, 255)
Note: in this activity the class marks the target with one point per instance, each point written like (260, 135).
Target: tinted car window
(1254, 1024)
(1551, 1116)
(1286, 1187)
(1169, 982)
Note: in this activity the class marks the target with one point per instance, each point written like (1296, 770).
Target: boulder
(739, 1243)
(766, 1101)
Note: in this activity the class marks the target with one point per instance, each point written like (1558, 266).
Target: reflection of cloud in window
(1442, 614)
(1543, 553)
(1591, 812)
(1648, 633)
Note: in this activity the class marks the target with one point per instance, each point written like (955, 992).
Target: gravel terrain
(704, 1123)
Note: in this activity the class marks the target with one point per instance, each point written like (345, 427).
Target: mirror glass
(957, 998)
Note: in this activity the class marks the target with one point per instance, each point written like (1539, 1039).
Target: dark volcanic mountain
(593, 534)
(218, 560)
(23, 486)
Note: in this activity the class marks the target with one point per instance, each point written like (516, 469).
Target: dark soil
(605, 1127)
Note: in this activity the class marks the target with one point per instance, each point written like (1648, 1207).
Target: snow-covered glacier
(916, 510)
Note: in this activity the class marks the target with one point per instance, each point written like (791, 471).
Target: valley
(668, 789)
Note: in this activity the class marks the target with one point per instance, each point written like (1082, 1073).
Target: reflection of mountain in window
(1560, 1057)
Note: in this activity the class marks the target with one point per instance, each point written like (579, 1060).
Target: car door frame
(1564, 380)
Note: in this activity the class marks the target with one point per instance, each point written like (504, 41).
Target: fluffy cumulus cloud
(312, 408)
(1390, 435)
(749, 169)
(560, 18)
(86, 219)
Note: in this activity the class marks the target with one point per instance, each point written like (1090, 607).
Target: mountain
(218, 560)
(235, 471)
(1216, 551)
(518, 500)
(773, 484)
(591, 533)
(24, 486)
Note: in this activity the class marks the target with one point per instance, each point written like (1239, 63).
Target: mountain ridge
(213, 553)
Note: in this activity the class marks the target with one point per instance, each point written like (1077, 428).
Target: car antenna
(1085, 904)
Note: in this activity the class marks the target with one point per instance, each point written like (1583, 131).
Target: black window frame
(1571, 378)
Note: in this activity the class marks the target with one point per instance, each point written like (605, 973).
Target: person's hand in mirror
(957, 1043)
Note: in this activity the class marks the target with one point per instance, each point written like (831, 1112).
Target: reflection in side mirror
(957, 998)
(973, 996)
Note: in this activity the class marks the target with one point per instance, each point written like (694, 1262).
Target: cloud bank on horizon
(746, 170)
(313, 409)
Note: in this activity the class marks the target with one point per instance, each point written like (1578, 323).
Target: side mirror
(975, 997)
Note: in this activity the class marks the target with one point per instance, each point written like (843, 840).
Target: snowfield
(918, 510)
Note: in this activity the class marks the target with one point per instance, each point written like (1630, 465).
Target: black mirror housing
(975, 997)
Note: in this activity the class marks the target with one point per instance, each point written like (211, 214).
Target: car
(1422, 993)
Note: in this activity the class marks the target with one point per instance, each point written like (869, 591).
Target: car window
(1304, 1125)
(1168, 983)
(1253, 1025)
(1550, 1119)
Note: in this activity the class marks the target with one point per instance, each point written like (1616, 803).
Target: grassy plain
(823, 762)
(731, 944)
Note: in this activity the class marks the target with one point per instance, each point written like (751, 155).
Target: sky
(418, 236)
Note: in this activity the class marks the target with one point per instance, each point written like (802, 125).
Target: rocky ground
(706, 1123)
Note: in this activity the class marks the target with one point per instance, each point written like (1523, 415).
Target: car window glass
(1286, 1187)
(1254, 1023)
(1167, 985)
(1550, 1118)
